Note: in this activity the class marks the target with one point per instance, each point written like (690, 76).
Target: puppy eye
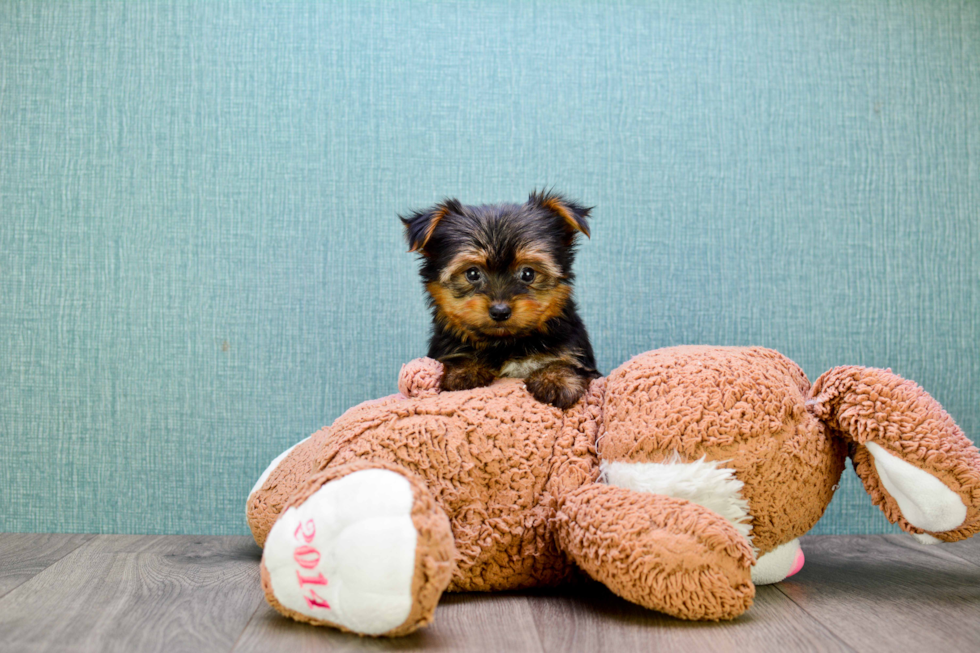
(527, 275)
(472, 275)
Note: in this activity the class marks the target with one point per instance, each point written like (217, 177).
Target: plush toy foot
(369, 553)
(779, 564)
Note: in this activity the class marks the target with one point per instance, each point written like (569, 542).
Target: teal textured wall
(200, 262)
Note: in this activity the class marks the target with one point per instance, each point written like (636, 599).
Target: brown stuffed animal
(679, 481)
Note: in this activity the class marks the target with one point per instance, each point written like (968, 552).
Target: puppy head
(498, 271)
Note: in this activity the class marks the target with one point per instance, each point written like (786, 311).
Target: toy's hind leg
(914, 461)
(363, 547)
(663, 553)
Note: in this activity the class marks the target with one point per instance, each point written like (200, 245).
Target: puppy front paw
(558, 385)
(466, 375)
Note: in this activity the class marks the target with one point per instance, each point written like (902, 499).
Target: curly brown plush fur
(518, 481)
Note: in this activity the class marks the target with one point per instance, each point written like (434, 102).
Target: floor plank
(878, 594)
(968, 550)
(173, 593)
(592, 618)
(24, 555)
(957, 552)
(566, 621)
(133, 593)
(469, 623)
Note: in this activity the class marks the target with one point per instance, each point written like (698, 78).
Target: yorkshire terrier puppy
(499, 280)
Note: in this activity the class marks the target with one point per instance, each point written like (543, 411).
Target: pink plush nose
(797, 564)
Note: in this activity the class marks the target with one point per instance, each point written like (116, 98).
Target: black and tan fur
(499, 280)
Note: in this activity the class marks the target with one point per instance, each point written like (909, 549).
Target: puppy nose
(499, 312)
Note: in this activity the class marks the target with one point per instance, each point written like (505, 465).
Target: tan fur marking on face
(555, 205)
(533, 312)
(536, 258)
(525, 313)
(463, 316)
(465, 259)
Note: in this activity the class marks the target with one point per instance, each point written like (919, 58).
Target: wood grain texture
(132, 593)
(877, 593)
(957, 552)
(594, 619)
(23, 555)
(468, 623)
(175, 593)
(968, 550)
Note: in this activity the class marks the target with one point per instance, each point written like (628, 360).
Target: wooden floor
(187, 593)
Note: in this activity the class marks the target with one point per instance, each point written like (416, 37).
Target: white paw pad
(347, 554)
(779, 564)
(924, 500)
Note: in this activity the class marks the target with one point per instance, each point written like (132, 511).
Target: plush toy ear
(420, 225)
(915, 462)
(574, 215)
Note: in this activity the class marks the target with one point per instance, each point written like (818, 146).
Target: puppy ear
(574, 215)
(420, 225)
